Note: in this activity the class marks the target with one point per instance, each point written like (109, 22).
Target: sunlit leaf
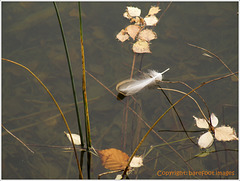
(113, 159)
(147, 35)
(133, 11)
(153, 10)
(141, 46)
(201, 123)
(76, 138)
(225, 133)
(214, 120)
(132, 30)
(122, 36)
(151, 20)
(207, 55)
(118, 177)
(137, 161)
(205, 140)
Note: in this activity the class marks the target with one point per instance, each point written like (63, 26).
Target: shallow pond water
(31, 36)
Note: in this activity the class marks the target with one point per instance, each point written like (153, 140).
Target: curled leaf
(76, 138)
(113, 159)
(141, 46)
(205, 140)
(132, 30)
(225, 133)
(122, 35)
(153, 10)
(151, 20)
(147, 35)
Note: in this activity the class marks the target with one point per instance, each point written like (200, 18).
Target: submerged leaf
(75, 137)
(113, 159)
(147, 35)
(153, 10)
(122, 35)
(132, 30)
(151, 20)
(225, 133)
(141, 46)
(205, 140)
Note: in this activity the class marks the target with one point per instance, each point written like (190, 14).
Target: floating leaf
(126, 15)
(214, 120)
(153, 10)
(141, 46)
(205, 140)
(225, 133)
(118, 177)
(76, 138)
(151, 20)
(122, 35)
(137, 161)
(201, 123)
(133, 11)
(132, 30)
(147, 35)
(207, 55)
(113, 159)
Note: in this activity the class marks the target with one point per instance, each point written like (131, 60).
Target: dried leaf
(133, 11)
(137, 161)
(76, 138)
(205, 140)
(126, 15)
(151, 20)
(207, 55)
(201, 123)
(214, 120)
(132, 30)
(225, 133)
(153, 10)
(122, 36)
(113, 159)
(141, 46)
(147, 35)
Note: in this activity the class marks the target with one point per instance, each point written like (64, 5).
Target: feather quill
(132, 86)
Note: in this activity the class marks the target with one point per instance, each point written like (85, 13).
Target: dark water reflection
(31, 36)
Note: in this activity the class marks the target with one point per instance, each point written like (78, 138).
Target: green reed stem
(84, 91)
(54, 100)
(71, 74)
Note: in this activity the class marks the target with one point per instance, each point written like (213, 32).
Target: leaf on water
(118, 177)
(141, 46)
(132, 30)
(76, 138)
(201, 123)
(206, 152)
(207, 55)
(205, 140)
(133, 11)
(214, 120)
(137, 161)
(113, 159)
(122, 35)
(151, 20)
(153, 10)
(225, 133)
(147, 35)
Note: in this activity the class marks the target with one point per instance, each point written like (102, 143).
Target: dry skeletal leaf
(225, 133)
(133, 11)
(76, 138)
(113, 159)
(205, 140)
(137, 161)
(141, 46)
(151, 20)
(147, 35)
(122, 36)
(132, 30)
(153, 10)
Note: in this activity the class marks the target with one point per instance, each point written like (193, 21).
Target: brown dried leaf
(141, 46)
(133, 30)
(122, 36)
(147, 35)
(113, 159)
(153, 10)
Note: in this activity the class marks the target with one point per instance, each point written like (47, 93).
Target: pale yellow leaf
(153, 10)
(151, 20)
(76, 138)
(133, 11)
(137, 161)
(141, 46)
(122, 36)
(205, 140)
(214, 120)
(147, 35)
(225, 133)
(132, 30)
(201, 123)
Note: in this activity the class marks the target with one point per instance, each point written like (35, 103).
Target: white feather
(132, 86)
